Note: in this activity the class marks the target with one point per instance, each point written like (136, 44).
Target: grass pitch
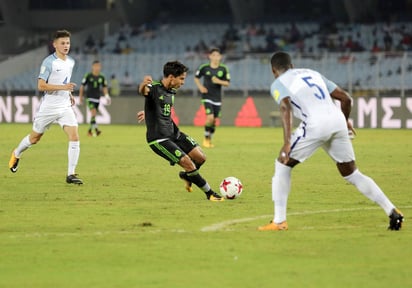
(133, 225)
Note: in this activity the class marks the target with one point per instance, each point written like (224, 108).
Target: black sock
(198, 165)
(195, 177)
(208, 132)
(212, 130)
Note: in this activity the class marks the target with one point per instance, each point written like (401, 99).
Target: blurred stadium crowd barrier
(256, 110)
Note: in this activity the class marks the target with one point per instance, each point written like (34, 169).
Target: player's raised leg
(197, 179)
(192, 174)
(14, 162)
(24, 144)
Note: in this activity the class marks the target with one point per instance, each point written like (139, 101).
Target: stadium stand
(357, 56)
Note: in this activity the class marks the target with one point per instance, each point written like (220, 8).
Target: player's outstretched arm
(144, 85)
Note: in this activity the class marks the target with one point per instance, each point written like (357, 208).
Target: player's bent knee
(346, 168)
(197, 155)
(186, 163)
(34, 138)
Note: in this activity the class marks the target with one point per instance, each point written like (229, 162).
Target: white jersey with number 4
(309, 93)
(58, 72)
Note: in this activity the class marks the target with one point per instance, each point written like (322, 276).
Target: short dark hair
(174, 68)
(214, 49)
(95, 62)
(61, 34)
(281, 61)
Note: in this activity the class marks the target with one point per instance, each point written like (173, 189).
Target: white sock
(370, 189)
(206, 188)
(23, 146)
(280, 191)
(73, 154)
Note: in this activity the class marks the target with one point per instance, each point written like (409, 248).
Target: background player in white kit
(309, 95)
(56, 105)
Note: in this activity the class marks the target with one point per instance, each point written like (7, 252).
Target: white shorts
(44, 119)
(306, 141)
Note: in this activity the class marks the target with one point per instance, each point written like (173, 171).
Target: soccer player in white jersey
(310, 97)
(56, 105)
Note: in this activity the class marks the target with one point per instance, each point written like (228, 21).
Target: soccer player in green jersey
(94, 83)
(163, 135)
(215, 75)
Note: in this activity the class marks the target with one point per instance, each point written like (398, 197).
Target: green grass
(132, 224)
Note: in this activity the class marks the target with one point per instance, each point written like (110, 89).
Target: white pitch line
(210, 228)
(224, 224)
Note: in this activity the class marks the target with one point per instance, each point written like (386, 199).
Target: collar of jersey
(171, 90)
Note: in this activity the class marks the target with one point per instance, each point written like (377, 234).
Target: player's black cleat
(395, 220)
(213, 196)
(72, 179)
(98, 132)
(188, 184)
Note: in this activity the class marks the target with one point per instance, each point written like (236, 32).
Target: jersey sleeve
(152, 89)
(227, 74)
(85, 77)
(329, 84)
(104, 81)
(45, 69)
(278, 91)
(199, 71)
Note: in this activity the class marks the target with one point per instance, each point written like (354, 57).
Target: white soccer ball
(231, 187)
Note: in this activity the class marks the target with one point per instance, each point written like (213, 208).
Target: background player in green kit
(215, 75)
(95, 83)
(163, 135)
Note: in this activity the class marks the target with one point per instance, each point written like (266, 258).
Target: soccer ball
(231, 187)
